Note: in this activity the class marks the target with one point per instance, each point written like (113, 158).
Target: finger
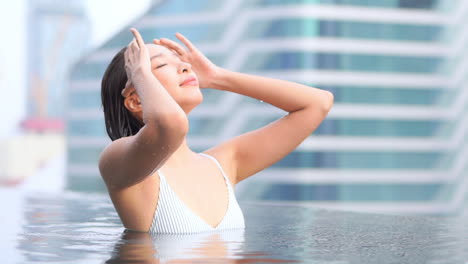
(134, 49)
(124, 91)
(158, 42)
(173, 45)
(126, 54)
(175, 52)
(128, 89)
(138, 37)
(131, 46)
(134, 45)
(186, 42)
(130, 50)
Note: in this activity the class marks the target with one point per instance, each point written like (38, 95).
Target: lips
(190, 81)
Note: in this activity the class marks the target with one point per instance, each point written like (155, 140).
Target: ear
(133, 103)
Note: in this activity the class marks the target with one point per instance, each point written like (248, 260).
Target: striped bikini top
(172, 216)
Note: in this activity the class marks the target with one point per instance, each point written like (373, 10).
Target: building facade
(394, 136)
(58, 35)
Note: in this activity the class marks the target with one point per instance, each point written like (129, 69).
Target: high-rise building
(58, 35)
(393, 140)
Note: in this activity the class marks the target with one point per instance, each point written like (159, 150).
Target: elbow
(174, 130)
(174, 125)
(170, 127)
(328, 100)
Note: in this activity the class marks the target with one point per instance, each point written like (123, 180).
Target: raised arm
(128, 160)
(259, 149)
(254, 151)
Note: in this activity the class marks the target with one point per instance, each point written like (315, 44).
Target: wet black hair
(118, 119)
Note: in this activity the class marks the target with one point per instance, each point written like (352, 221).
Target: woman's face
(175, 76)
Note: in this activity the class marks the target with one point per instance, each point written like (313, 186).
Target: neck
(181, 156)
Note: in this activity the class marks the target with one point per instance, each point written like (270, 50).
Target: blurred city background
(394, 141)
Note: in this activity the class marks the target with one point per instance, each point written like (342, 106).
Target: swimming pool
(73, 227)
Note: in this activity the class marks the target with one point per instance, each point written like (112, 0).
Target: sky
(12, 48)
(105, 23)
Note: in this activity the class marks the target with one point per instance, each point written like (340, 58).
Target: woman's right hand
(137, 60)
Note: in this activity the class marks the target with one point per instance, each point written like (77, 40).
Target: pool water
(84, 228)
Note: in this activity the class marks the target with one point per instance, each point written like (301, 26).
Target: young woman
(156, 182)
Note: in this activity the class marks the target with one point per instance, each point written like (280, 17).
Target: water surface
(84, 228)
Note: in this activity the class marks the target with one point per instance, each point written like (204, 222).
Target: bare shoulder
(129, 160)
(110, 158)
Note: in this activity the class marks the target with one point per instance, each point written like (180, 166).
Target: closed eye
(162, 65)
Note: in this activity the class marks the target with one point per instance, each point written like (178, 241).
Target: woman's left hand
(205, 70)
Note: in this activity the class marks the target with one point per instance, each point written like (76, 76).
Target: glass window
(390, 96)
(380, 128)
(177, 7)
(89, 71)
(360, 160)
(311, 27)
(85, 100)
(352, 192)
(416, 4)
(420, 4)
(348, 29)
(88, 128)
(86, 155)
(347, 62)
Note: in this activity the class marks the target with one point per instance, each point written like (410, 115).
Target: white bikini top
(172, 216)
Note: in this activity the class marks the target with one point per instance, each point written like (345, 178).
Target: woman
(156, 182)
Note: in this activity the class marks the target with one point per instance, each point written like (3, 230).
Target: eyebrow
(157, 55)
(160, 54)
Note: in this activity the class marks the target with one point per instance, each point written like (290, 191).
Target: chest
(205, 192)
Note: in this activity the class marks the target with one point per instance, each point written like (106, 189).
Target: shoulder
(105, 160)
(108, 157)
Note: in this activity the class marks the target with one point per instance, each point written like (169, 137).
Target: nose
(185, 67)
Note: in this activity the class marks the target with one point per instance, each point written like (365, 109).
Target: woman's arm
(259, 149)
(286, 95)
(129, 160)
(254, 151)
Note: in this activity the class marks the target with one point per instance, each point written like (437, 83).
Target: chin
(193, 103)
(197, 97)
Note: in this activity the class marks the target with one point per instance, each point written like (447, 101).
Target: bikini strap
(161, 176)
(219, 166)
